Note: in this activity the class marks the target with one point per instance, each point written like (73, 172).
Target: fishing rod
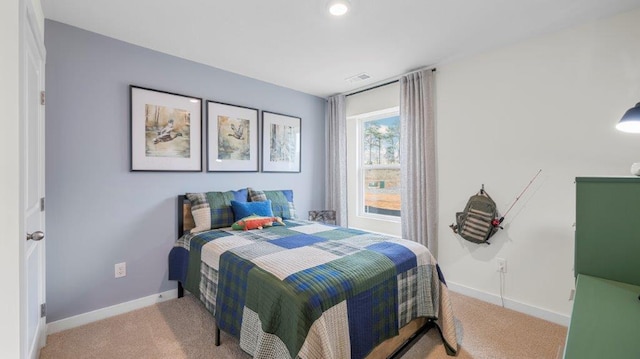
(497, 221)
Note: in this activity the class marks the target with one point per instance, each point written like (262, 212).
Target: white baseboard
(511, 304)
(86, 318)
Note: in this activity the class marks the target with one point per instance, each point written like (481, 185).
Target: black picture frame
(281, 142)
(232, 138)
(165, 131)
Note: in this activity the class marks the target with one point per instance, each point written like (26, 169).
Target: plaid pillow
(256, 196)
(281, 201)
(213, 209)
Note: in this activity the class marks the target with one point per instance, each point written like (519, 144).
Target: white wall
(376, 99)
(9, 180)
(549, 103)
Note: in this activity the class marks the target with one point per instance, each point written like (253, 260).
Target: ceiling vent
(357, 78)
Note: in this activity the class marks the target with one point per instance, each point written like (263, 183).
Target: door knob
(35, 236)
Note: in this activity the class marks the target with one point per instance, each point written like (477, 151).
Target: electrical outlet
(121, 269)
(502, 265)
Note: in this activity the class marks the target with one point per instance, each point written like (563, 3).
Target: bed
(312, 290)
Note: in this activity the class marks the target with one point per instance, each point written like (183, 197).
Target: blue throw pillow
(245, 209)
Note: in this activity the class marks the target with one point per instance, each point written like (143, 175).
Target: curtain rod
(382, 84)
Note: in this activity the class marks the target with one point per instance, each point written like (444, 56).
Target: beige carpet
(183, 329)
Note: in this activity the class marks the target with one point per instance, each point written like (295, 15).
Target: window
(379, 164)
(373, 160)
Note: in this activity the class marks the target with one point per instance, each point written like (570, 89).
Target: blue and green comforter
(312, 290)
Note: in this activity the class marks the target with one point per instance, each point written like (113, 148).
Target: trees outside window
(379, 165)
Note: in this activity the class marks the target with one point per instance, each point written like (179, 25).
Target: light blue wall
(99, 213)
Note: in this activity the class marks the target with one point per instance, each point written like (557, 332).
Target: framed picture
(166, 131)
(232, 138)
(280, 142)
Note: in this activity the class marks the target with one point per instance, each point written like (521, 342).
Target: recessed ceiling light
(339, 7)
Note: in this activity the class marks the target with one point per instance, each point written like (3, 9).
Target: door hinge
(42, 204)
(42, 97)
(43, 310)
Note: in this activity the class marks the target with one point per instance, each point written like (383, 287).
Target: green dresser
(608, 228)
(605, 321)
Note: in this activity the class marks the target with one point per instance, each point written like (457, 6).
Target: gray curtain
(418, 159)
(336, 170)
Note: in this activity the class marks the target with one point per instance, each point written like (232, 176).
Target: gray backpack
(479, 220)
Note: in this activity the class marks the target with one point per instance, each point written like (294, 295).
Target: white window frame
(361, 119)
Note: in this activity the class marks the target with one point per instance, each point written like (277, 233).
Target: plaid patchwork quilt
(311, 290)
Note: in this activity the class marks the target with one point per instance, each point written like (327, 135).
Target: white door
(32, 195)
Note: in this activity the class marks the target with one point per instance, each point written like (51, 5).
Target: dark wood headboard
(185, 218)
